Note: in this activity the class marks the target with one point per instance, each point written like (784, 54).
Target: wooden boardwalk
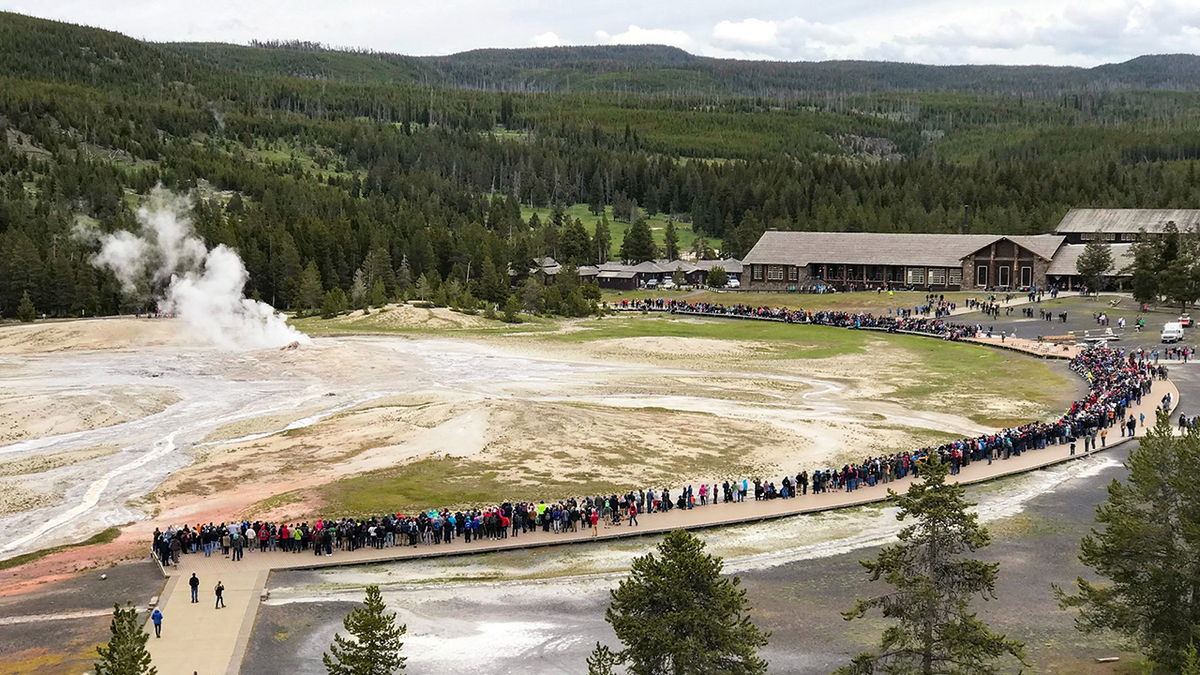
(200, 639)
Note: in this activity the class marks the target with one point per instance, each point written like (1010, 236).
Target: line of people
(1116, 381)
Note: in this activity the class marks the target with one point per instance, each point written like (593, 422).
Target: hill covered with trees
(669, 70)
(345, 166)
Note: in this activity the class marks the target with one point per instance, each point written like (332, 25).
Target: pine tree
(1191, 661)
(1094, 262)
(373, 647)
(574, 245)
(601, 661)
(1146, 269)
(676, 613)
(25, 310)
(358, 290)
(125, 652)
(378, 296)
(1180, 282)
(423, 289)
(512, 305)
(1147, 547)
(602, 240)
(934, 629)
(403, 277)
(671, 241)
(378, 267)
(308, 294)
(717, 277)
(333, 304)
(638, 245)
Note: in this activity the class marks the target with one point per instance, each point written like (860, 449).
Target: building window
(981, 274)
(1026, 276)
(937, 277)
(955, 277)
(1003, 276)
(758, 272)
(774, 272)
(916, 275)
(793, 273)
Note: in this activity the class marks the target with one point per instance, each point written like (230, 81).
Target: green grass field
(102, 537)
(937, 366)
(439, 481)
(657, 222)
(786, 341)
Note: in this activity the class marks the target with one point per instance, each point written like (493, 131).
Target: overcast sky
(1058, 32)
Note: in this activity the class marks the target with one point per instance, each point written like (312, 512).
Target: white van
(1172, 331)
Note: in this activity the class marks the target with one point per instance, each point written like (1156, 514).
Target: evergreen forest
(320, 165)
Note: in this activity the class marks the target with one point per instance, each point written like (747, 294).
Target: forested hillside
(353, 168)
(660, 69)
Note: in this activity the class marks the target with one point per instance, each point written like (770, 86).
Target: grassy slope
(617, 230)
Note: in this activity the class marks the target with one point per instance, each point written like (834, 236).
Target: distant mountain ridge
(664, 69)
(40, 49)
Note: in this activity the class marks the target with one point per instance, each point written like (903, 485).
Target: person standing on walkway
(194, 582)
(633, 513)
(156, 619)
(220, 591)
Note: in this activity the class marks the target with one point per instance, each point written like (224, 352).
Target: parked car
(1185, 320)
(1172, 332)
(733, 283)
(653, 283)
(667, 284)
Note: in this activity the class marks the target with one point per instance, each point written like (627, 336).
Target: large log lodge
(790, 261)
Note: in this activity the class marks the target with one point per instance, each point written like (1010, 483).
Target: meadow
(617, 229)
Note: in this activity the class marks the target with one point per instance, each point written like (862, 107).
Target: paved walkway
(200, 639)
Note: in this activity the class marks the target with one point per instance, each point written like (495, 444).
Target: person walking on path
(194, 582)
(156, 619)
(220, 591)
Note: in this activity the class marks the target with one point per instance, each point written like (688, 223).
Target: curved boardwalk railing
(205, 640)
(1116, 385)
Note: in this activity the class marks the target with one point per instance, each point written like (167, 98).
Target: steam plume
(202, 286)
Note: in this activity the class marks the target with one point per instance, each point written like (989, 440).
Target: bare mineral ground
(109, 422)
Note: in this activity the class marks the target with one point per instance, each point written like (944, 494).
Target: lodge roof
(1127, 220)
(884, 248)
(616, 274)
(731, 265)
(1066, 261)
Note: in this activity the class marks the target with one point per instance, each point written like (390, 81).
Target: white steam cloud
(203, 287)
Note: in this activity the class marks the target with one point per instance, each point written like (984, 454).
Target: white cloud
(793, 38)
(1062, 32)
(636, 35)
(747, 33)
(547, 39)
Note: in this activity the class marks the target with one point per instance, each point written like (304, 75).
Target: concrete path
(200, 639)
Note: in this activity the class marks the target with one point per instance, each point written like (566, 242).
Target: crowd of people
(1116, 381)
